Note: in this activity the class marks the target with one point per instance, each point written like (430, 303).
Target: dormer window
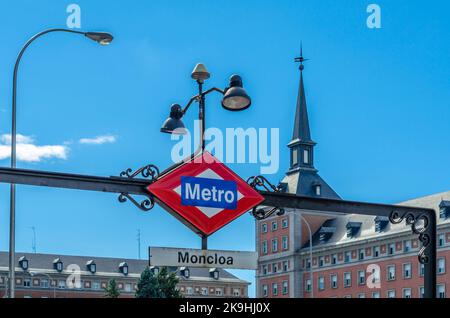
(123, 268)
(381, 223)
(325, 233)
(214, 273)
(91, 266)
(444, 209)
(58, 265)
(317, 189)
(353, 229)
(23, 263)
(184, 271)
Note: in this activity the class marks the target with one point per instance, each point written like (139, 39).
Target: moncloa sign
(166, 256)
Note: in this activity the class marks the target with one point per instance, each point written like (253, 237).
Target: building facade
(352, 255)
(64, 276)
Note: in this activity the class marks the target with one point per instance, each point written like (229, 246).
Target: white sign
(179, 257)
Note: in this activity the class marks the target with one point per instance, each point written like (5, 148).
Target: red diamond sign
(204, 194)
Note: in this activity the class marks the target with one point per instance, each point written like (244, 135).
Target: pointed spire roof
(301, 131)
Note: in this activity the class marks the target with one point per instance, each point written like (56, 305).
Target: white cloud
(29, 152)
(99, 140)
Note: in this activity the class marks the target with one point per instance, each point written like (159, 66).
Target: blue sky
(378, 103)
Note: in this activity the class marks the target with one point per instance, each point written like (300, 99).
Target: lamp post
(235, 98)
(33, 274)
(310, 254)
(99, 37)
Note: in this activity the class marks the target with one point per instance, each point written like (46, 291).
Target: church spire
(301, 144)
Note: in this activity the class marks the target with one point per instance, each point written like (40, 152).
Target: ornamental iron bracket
(261, 183)
(420, 224)
(149, 172)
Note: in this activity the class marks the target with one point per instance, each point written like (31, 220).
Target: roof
(105, 265)
(367, 230)
(301, 131)
(302, 182)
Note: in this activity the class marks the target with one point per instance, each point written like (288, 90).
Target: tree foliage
(111, 290)
(161, 285)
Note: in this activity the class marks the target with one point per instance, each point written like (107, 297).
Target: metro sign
(204, 194)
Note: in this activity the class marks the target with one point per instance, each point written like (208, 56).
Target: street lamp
(102, 38)
(235, 98)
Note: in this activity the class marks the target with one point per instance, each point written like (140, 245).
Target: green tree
(111, 290)
(162, 285)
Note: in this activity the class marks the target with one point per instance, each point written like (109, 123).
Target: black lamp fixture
(174, 124)
(235, 98)
(102, 38)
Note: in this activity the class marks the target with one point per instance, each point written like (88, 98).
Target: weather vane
(301, 59)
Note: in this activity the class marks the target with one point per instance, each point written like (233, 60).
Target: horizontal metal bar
(74, 181)
(287, 200)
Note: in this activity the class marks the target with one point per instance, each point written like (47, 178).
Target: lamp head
(235, 97)
(200, 73)
(102, 38)
(174, 124)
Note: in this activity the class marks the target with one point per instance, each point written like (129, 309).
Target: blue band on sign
(213, 193)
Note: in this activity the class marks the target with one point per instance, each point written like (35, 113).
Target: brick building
(46, 275)
(353, 255)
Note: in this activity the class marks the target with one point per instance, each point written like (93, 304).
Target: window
(362, 295)
(407, 246)
(376, 251)
(421, 269)
(321, 283)
(44, 283)
(441, 240)
(348, 256)
(189, 290)
(361, 277)
(219, 291)
(274, 245)
(264, 247)
(204, 291)
(305, 156)
(27, 282)
(308, 285)
(285, 266)
(264, 227)
(407, 270)
(284, 223)
(321, 261)
(361, 254)
(391, 293)
(265, 291)
(308, 263)
(285, 287)
(96, 285)
(334, 259)
(348, 296)
(406, 292)
(274, 225)
(391, 272)
(334, 281)
(376, 294)
(285, 243)
(391, 249)
(318, 189)
(294, 157)
(441, 291)
(236, 292)
(347, 279)
(274, 289)
(61, 284)
(274, 267)
(441, 266)
(264, 269)
(421, 292)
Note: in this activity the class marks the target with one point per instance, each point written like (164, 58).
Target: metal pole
(201, 118)
(429, 256)
(12, 200)
(310, 255)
